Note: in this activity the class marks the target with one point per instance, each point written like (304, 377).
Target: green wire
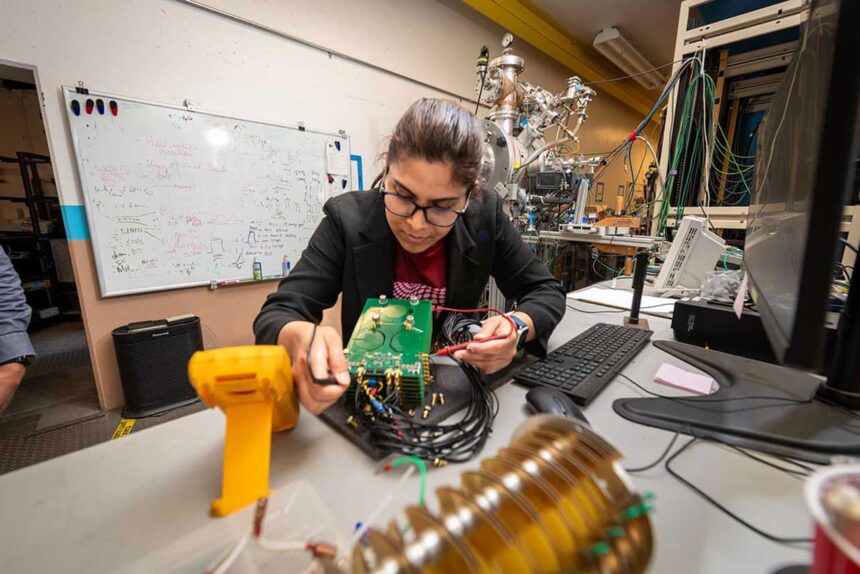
(734, 166)
(422, 470)
(612, 269)
(692, 143)
(680, 148)
(617, 272)
(686, 182)
(730, 251)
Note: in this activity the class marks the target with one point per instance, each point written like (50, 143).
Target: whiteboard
(179, 198)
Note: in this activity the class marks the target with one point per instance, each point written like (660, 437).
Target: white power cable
(223, 563)
(379, 509)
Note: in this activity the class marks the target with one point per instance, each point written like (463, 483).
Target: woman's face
(427, 184)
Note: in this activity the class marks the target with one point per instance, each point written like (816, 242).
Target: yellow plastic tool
(253, 385)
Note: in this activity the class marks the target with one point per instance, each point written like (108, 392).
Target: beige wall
(225, 315)
(610, 122)
(168, 51)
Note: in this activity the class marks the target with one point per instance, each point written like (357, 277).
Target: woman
(427, 230)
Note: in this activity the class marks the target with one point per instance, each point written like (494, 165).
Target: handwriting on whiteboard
(178, 198)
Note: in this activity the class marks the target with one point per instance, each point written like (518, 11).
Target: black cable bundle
(459, 441)
(455, 329)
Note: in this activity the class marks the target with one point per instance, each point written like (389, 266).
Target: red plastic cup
(832, 553)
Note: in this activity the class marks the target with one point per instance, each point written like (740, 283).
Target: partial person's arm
(311, 287)
(289, 314)
(14, 341)
(541, 302)
(521, 276)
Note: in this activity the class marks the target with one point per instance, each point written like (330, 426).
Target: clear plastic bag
(722, 286)
(294, 513)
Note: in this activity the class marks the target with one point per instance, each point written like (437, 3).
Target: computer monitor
(804, 178)
(801, 186)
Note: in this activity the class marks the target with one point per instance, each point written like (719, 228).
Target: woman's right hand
(326, 358)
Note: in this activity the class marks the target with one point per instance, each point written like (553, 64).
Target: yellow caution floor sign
(123, 428)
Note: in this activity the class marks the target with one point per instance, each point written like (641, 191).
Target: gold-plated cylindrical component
(574, 498)
(517, 514)
(482, 531)
(449, 552)
(546, 501)
(556, 500)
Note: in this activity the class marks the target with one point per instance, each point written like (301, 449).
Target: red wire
(444, 351)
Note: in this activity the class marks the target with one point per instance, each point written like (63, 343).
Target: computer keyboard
(583, 366)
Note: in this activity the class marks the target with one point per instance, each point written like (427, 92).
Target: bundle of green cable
(682, 155)
(700, 139)
(737, 169)
(698, 145)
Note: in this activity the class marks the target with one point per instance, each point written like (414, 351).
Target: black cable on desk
(613, 310)
(844, 410)
(659, 459)
(700, 400)
(457, 441)
(668, 464)
(720, 507)
(804, 472)
(454, 442)
(595, 312)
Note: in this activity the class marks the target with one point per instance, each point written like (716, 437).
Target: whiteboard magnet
(189, 104)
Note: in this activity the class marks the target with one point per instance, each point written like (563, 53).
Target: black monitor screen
(793, 218)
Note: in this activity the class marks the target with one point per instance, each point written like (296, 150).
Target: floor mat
(59, 387)
(58, 348)
(58, 361)
(47, 443)
(55, 410)
(62, 396)
(21, 424)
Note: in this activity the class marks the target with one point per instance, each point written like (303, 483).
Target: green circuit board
(389, 349)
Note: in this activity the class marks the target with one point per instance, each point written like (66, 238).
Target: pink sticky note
(741, 297)
(680, 379)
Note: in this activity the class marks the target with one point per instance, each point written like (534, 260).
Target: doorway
(58, 388)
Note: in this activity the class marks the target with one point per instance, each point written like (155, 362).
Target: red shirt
(422, 274)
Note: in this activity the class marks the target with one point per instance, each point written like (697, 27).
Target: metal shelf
(34, 197)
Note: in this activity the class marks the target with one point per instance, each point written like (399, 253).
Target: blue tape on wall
(75, 220)
(357, 159)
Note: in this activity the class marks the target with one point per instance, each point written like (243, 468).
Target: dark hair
(439, 130)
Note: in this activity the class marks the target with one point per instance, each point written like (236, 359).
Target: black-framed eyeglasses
(405, 207)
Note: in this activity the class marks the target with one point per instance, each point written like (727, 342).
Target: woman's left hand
(491, 356)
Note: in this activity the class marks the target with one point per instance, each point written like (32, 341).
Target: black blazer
(353, 251)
